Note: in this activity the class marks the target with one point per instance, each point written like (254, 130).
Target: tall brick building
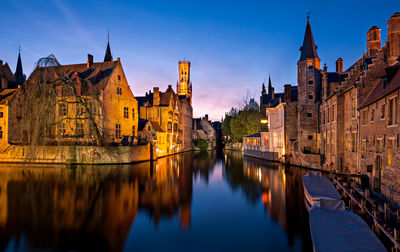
(309, 96)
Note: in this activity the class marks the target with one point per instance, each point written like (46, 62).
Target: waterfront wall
(76, 154)
(271, 156)
(234, 146)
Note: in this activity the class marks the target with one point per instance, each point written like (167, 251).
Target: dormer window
(384, 82)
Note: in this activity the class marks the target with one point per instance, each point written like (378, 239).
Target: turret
(393, 38)
(373, 40)
(184, 84)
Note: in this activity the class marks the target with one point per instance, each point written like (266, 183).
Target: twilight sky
(232, 45)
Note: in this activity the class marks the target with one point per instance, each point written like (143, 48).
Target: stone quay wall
(76, 154)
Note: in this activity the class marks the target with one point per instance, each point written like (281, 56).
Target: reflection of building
(68, 208)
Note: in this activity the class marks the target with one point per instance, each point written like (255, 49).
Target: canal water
(187, 202)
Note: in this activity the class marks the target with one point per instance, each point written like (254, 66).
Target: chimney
(339, 65)
(1, 62)
(206, 116)
(89, 60)
(4, 83)
(272, 93)
(393, 38)
(373, 41)
(287, 93)
(156, 96)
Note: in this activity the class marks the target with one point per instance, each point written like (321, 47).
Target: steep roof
(156, 126)
(378, 91)
(142, 124)
(108, 55)
(19, 73)
(309, 49)
(98, 74)
(5, 72)
(6, 95)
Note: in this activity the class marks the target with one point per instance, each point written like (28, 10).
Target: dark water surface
(190, 201)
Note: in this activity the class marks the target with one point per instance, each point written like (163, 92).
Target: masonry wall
(380, 152)
(114, 104)
(76, 154)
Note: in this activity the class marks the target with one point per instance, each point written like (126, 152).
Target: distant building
(163, 108)
(282, 128)
(269, 99)
(184, 90)
(204, 130)
(153, 132)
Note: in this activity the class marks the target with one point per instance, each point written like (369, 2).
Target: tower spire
(269, 84)
(19, 73)
(309, 49)
(108, 55)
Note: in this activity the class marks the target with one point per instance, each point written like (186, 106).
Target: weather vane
(308, 15)
(108, 34)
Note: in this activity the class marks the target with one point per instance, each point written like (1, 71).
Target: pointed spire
(108, 56)
(263, 91)
(269, 85)
(309, 49)
(19, 73)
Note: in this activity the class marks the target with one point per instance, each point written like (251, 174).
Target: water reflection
(106, 207)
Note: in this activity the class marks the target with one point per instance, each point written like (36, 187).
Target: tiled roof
(378, 92)
(336, 77)
(6, 95)
(5, 72)
(98, 74)
(267, 99)
(309, 49)
(255, 135)
(156, 126)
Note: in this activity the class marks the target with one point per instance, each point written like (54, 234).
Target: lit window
(62, 110)
(393, 111)
(79, 129)
(126, 112)
(118, 130)
(61, 129)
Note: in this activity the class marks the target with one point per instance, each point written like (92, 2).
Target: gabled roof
(5, 72)
(98, 74)
(255, 135)
(309, 49)
(155, 125)
(378, 92)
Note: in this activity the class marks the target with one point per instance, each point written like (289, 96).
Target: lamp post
(264, 123)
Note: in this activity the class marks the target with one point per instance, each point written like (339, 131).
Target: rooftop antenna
(308, 15)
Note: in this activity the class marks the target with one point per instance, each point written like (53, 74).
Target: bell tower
(184, 84)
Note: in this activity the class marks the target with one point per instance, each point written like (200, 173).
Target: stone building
(163, 108)
(282, 120)
(94, 99)
(269, 99)
(184, 90)
(153, 132)
(9, 83)
(309, 96)
(204, 130)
